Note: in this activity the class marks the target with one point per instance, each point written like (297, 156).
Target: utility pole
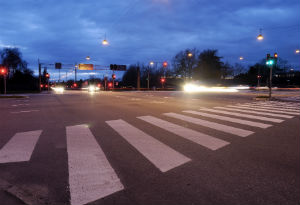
(148, 79)
(4, 77)
(138, 83)
(75, 73)
(40, 75)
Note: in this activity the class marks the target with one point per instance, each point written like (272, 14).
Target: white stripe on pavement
(24, 111)
(272, 105)
(230, 119)
(249, 110)
(240, 114)
(192, 135)
(162, 156)
(90, 175)
(212, 125)
(279, 104)
(20, 147)
(271, 109)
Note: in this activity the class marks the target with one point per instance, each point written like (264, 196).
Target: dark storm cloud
(144, 30)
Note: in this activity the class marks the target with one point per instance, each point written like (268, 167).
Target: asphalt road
(141, 148)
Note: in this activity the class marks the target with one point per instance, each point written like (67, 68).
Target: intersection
(149, 148)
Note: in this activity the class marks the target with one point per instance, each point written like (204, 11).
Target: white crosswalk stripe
(162, 156)
(273, 105)
(192, 135)
(230, 119)
(294, 105)
(274, 110)
(212, 125)
(91, 177)
(20, 147)
(216, 110)
(250, 110)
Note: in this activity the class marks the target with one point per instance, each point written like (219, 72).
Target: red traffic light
(42, 85)
(47, 75)
(3, 71)
(113, 76)
(109, 84)
(162, 80)
(75, 85)
(165, 64)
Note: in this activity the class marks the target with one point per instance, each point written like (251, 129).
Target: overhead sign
(118, 67)
(57, 65)
(86, 66)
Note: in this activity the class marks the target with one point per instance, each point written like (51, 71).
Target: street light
(260, 36)
(151, 63)
(88, 58)
(297, 51)
(241, 58)
(190, 55)
(105, 42)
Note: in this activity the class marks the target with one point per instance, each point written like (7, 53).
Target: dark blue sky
(143, 30)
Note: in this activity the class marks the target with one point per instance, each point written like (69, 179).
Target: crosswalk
(91, 175)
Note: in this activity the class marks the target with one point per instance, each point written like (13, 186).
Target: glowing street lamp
(190, 55)
(241, 58)
(105, 42)
(151, 63)
(88, 58)
(260, 36)
(297, 51)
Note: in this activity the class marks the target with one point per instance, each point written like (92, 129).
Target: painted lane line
(16, 105)
(24, 111)
(271, 109)
(20, 147)
(91, 177)
(159, 154)
(212, 125)
(275, 106)
(240, 114)
(250, 110)
(189, 134)
(230, 119)
(279, 104)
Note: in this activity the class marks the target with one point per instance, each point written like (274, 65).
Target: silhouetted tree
(184, 64)
(209, 66)
(12, 59)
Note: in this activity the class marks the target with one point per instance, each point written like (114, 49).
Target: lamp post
(260, 36)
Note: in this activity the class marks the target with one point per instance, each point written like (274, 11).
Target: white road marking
(20, 147)
(212, 125)
(250, 110)
(24, 111)
(272, 105)
(230, 119)
(192, 135)
(271, 109)
(90, 175)
(16, 105)
(240, 114)
(162, 156)
(157, 102)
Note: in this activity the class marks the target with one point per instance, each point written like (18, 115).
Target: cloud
(144, 30)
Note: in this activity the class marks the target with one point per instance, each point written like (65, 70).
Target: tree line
(208, 67)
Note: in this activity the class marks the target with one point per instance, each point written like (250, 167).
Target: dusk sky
(144, 30)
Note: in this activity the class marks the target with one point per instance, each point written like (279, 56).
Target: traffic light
(165, 64)
(113, 76)
(269, 60)
(162, 80)
(3, 71)
(47, 75)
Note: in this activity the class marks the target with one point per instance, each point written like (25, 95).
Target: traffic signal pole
(4, 77)
(270, 83)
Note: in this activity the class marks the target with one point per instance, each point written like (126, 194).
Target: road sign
(118, 67)
(86, 66)
(57, 65)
